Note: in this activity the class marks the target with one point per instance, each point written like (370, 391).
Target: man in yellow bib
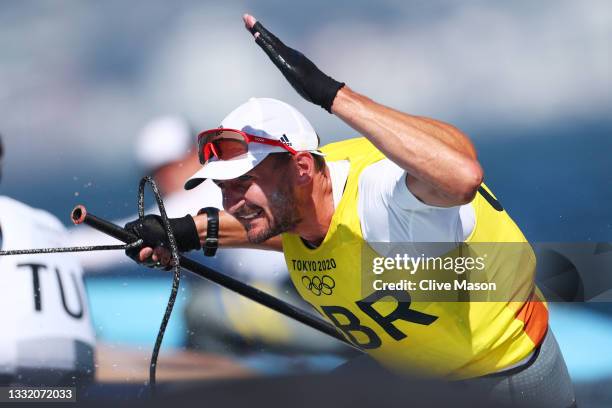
(408, 179)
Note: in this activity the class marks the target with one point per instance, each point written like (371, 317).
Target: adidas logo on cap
(285, 140)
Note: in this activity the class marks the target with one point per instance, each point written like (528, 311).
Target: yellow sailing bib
(455, 339)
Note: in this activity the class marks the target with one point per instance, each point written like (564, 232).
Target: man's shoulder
(351, 149)
(389, 212)
(14, 207)
(381, 180)
(354, 141)
(22, 212)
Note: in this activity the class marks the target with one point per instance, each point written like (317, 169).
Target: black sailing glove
(302, 74)
(151, 230)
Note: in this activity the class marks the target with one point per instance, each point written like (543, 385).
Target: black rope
(70, 249)
(176, 266)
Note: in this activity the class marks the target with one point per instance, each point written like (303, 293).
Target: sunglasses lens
(227, 149)
(224, 145)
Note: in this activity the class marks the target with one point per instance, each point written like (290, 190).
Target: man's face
(263, 200)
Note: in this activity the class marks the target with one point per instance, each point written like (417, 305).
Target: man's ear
(305, 168)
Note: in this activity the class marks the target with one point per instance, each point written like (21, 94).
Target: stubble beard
(285, 217)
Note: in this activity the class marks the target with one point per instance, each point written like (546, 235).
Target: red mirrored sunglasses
(227, 144)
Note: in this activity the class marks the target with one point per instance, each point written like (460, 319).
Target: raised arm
(439, 160)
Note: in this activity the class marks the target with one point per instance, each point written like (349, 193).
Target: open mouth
(251, 216)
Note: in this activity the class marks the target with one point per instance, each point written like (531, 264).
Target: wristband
(185, 233)
(212, 230)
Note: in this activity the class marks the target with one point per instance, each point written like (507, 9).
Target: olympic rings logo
(319, 285)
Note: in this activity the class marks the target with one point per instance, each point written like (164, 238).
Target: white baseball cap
(163, 140)
(267, 118)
